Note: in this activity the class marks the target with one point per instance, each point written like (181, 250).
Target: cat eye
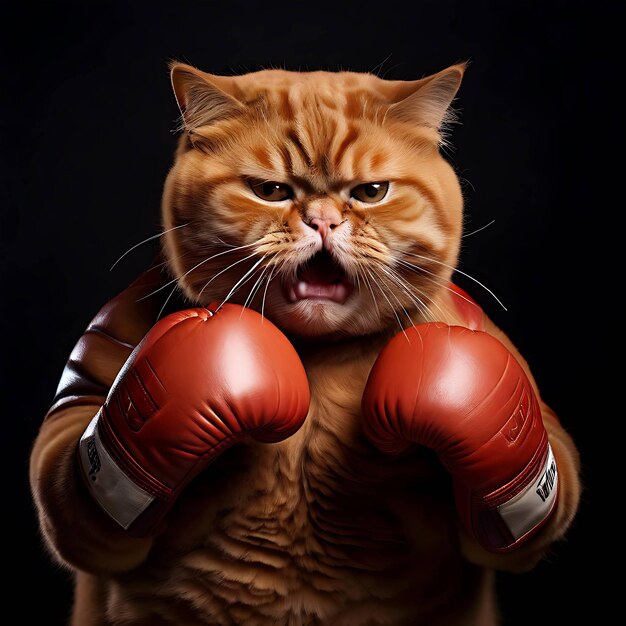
(370, 192)
(271, 191)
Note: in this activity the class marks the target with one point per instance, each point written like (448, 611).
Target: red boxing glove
(199, 381)
(463, 394)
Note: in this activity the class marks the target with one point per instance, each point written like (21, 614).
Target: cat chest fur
(320, 528)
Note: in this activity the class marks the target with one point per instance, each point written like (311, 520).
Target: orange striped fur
(318, 529)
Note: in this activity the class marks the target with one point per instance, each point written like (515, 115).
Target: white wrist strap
(114, 491)
(532, 505)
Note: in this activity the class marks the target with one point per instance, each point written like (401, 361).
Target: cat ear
(427, 101)
(200, 100)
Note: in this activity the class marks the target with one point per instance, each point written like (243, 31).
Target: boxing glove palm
(463, 394)
(199, 381)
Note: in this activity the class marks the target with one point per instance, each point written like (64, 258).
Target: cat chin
(321, 318)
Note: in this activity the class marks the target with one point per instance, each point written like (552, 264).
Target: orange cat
(320, 528)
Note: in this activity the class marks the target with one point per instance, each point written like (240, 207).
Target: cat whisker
(434, 278)
(473, 232)
(174, 288)
(282, 267)
(377, 283)
(394, 280)
(228, 267)
(175, 280)
(428, 313)
(399, 280)
(228, 245)
(161, 264)
(255, 287)
(455, 269)
(169, 230)
(378, 68)
(369, 286)
(420, 304)
(240, 282)
(267, 284)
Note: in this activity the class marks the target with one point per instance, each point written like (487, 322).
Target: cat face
(320, 199)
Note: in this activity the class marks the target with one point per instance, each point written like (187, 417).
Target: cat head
(320, 199)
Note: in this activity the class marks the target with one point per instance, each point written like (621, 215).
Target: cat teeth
(302, 290)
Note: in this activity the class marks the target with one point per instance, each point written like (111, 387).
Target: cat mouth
(320, 278)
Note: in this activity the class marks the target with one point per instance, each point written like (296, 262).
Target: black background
(87, 121)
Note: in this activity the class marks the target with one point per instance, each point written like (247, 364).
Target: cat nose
(323, 225)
